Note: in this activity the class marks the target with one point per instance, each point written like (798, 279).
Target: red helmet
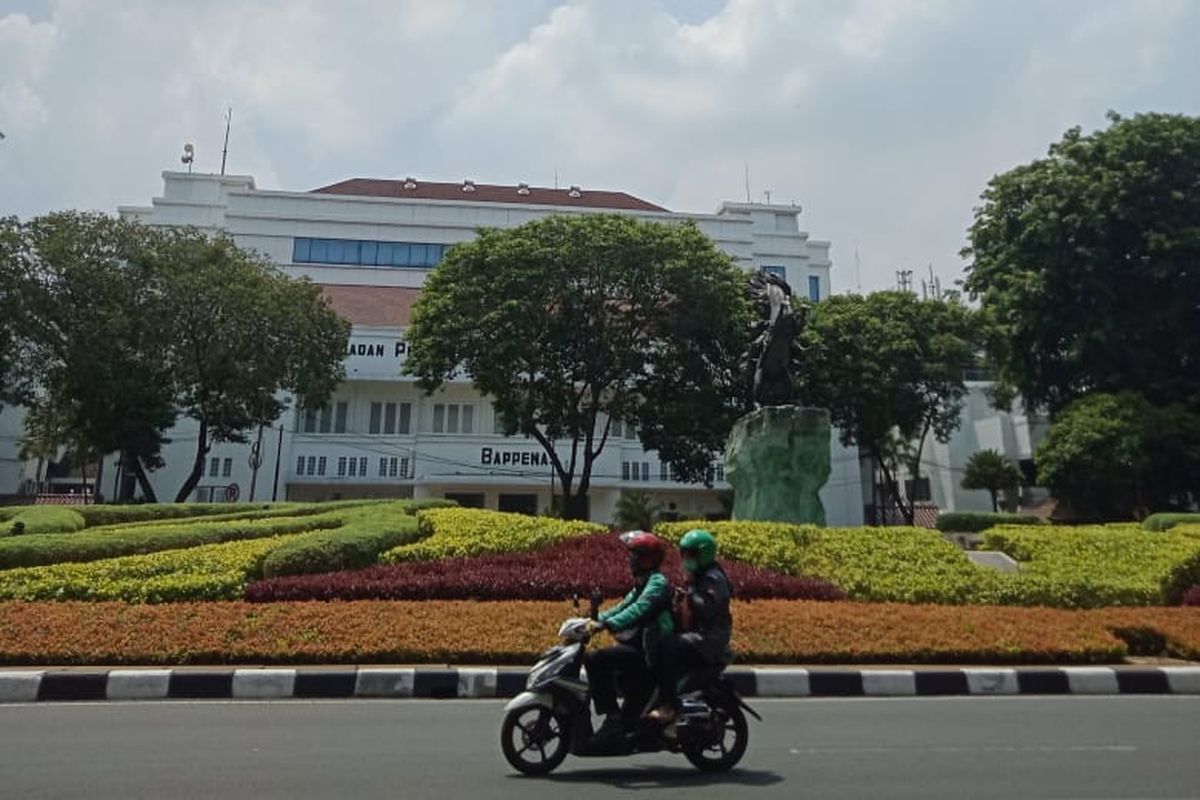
(648, 548)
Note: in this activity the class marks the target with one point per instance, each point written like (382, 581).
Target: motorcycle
(552, 717)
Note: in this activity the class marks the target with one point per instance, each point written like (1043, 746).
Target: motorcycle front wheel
(534, 739)
(726, 744)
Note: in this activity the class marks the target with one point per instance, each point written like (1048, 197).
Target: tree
(889, 367)
(569, 323)
(993, 472)
(15, 357)
(239, 333)
(1116, 456)
(94, 340)
(1088, 264)
(636, 511)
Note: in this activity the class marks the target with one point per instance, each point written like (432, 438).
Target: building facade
(370, 244)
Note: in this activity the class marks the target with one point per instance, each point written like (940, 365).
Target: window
(376, 422)
(300, 465)
(383, 467)
(721, 471)
(214, 466)
(326, 419)
(630, 433)
(497, 423)
(321, 466)
(341, 418)
(353, 467)
(341, 466)
(624, 470)
(453, 418)
(645, 470)
(310, 420)
(312, 465)
(662, 472)
(405, 424)
(616, 431)
(918, 491)
(392, 467)
(227, 468)
(362, 466)
(814, 288)
(778, 272)
(405, 470)
(358, 252)
(389, 418)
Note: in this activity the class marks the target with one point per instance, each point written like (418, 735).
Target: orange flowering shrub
(464, 632)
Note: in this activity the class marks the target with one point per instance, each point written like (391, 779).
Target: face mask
(691, 564)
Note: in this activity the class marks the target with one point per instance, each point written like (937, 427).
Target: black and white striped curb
(376, 682)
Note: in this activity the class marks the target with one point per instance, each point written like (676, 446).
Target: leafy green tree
(94, 340)
(1116, 456)
(239, 333)
(992, 472)
(568, 323)
(16, 359)
(889, 367)
(1086, 262)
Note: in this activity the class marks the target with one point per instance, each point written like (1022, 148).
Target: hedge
(577, 566)
(118, 514)
(210, 572)
(42, 519)
(978, 521)
(43, 549)
(461, 532)
(765, 631)
(356, 545)
(1166, 521)
(1110, 565)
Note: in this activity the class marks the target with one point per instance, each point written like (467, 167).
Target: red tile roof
(373, 306)
(489, 193)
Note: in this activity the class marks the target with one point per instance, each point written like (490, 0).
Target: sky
(884, 120)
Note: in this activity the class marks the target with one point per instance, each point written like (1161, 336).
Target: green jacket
(649, 603)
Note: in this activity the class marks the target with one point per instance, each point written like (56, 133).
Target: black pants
(602, 668)
(677, 656)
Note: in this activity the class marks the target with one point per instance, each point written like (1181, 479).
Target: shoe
(663, 715)
(612, 726)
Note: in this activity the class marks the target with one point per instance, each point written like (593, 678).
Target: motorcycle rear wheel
(534, 739)
(721, 753)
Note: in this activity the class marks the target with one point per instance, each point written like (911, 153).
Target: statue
(777, 456)
(768, 363)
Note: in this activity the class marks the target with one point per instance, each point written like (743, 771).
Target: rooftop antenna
(767, 195)
(857, 270)
(225, 150)
(746, 168)
(189, 155)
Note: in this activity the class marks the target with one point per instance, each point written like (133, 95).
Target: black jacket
(711, 624)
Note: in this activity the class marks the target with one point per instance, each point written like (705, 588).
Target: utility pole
(225, 150)
(278, 455)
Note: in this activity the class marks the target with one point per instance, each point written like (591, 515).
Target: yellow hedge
(460, 532)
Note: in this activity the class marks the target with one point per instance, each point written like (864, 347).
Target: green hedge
(1166, 521)
(211, 572)
(42, 519)
(978, 521)
(119, 514)
(1106, 565)
(354, 546)
(38, 550)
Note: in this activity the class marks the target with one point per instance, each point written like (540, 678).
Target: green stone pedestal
(777, 460)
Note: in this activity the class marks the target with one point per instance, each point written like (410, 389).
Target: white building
(370, 244)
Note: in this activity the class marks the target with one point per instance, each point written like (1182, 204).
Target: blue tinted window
(778, 272)
(366, 252)
(814, 288)
(300, 250)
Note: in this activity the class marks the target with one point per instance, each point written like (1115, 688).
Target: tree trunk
(995, 504)
(96, 497)
(575, 506)
(143, 482)
(894, 491)
(193, 478)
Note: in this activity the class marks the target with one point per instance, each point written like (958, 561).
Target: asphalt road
(1020, 747)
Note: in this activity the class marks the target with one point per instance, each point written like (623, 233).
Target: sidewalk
(193, 682)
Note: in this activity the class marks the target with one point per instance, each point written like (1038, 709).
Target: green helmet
(699, 549)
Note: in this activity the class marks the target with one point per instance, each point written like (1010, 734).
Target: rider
(705, 642)
(640, 623)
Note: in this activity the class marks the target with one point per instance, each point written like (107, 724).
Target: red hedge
(578, 566)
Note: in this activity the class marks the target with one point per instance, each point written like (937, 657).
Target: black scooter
(552, 717)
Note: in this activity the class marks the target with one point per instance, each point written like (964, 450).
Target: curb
(26, 686)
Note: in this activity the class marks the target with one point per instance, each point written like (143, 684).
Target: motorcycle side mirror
(594, 608)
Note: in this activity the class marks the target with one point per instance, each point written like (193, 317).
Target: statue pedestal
(777, 460)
